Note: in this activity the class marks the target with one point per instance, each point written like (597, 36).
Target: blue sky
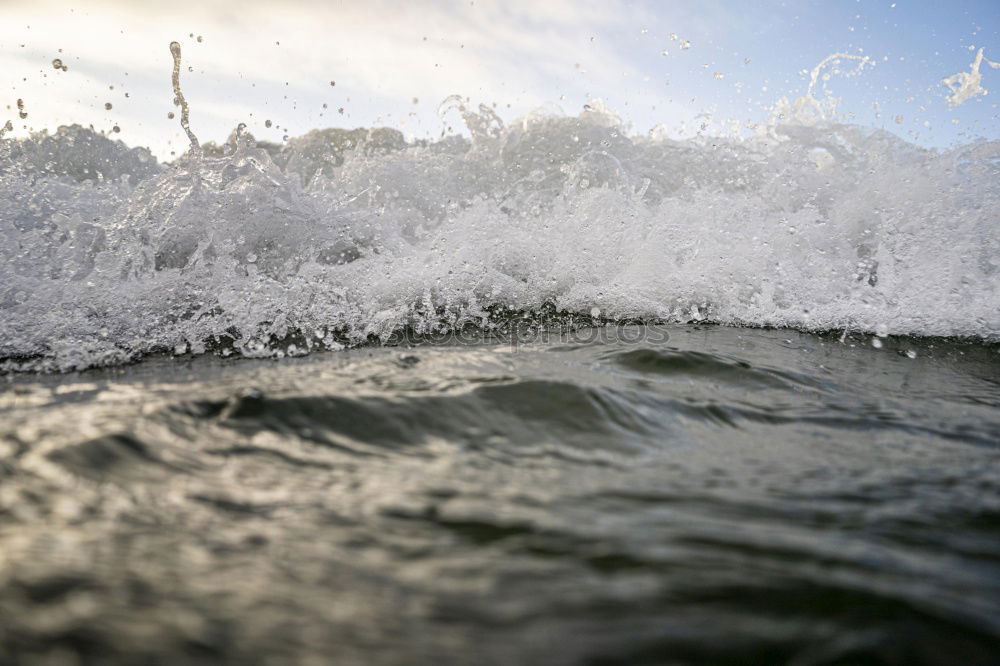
(913, 45)
(393, 62)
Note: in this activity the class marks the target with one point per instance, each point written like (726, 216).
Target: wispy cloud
(259, 60)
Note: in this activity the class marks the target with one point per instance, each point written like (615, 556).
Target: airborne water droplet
(175, 80)
(57, 64)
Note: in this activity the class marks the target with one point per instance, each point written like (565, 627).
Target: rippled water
(676, 494)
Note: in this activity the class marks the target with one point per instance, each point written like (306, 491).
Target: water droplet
(107, 106)
(595, 312)
(876, 343)
(251, 258)
(267, 123)
(910, 353)
(175, 80)
(57, 63)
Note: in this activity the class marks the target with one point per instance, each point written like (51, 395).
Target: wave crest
(343, 236)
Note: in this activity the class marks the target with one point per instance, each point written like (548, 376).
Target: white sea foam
(811, 224)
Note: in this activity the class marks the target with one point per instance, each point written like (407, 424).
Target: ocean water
(671, 494)
(546, 392)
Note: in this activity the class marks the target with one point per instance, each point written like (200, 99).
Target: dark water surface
(727, 496)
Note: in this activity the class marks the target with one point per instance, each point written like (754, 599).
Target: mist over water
(340, 237)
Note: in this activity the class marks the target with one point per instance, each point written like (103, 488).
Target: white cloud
(518, 53)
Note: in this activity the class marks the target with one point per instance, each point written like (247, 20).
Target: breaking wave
(342, 237)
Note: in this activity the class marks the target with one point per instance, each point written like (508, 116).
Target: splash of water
(966, 85)
(835, 59)
(810, 109)
(175, 81)
(347, 236)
